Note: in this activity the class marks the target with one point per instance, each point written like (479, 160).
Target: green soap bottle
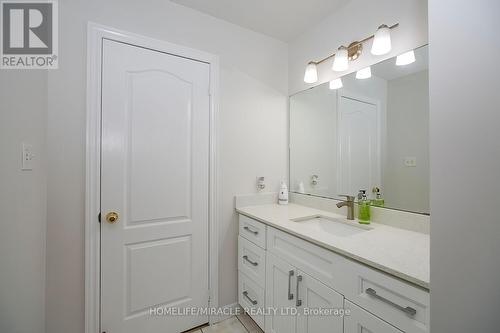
(378, 201)
(364, 208)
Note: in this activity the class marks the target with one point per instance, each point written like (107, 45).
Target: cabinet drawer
(360, 320)
(401, 304)
(253, 230)
(252, 261)
(251, 298)
(323, 265)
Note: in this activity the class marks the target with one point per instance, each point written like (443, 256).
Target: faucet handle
(348, 197)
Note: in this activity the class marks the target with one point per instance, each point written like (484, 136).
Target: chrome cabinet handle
(299, 301)
(408, 310)
(245, 293)
(253, 263)
(250, 230)
(290, 295)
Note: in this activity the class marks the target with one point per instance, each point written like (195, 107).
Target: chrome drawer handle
(253, 263)
(408, 310)
(245, 293)
(290, 295)
(252, 231)
(299, 301)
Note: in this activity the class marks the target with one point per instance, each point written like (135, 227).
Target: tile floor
(236, 324)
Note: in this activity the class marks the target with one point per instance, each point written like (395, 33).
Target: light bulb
(405, 58)
(341, 61)
(364, 73)
(311, 74)
(336, 84)
(382, 41)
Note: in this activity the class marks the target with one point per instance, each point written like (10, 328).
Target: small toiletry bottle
(378, 201)
(364, 208)
(283, 195)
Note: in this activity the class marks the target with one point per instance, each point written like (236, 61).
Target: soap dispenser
(378, 201)
(283, 195)
(364, 208)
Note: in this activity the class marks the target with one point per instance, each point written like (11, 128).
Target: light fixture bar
(351, 46)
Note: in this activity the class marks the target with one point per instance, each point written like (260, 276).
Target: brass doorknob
(112, 217)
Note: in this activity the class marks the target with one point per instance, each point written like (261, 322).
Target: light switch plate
(410, 161)
(27, 157)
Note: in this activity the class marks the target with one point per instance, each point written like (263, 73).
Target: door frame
(95, 34)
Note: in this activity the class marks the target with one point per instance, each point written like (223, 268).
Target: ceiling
(281, 19)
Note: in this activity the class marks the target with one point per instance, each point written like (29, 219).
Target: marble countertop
(399, 252)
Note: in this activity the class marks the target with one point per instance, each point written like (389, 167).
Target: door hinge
(99, 217)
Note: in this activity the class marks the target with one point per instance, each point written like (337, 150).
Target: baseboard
(227, 311)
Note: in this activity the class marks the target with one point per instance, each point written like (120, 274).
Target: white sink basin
(334, 226)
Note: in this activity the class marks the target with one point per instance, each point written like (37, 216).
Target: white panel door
(361, 321)
(280, 295)
(359, 146)
(313, 295)
(154, 175)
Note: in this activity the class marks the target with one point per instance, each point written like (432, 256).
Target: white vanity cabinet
(252, 267)
(291, 291)
(280, 281)
(314, 295)
(290, 275)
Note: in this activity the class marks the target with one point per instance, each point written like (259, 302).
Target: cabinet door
(280, 296)
(361, 321)
(318, 306)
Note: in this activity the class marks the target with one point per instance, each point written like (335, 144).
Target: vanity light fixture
(336, 84)
(364, 73)
(381, 45)
(382, 41)
(341, 60)
(311, 74)
(405, 58)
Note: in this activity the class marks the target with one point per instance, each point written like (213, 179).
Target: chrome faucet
(349, 202)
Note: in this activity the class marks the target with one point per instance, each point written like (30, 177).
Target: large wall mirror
(371, 134)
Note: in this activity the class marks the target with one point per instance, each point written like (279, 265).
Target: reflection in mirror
(370, 134)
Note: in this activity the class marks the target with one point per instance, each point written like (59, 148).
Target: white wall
(465, 165)
(253, 131)
(23, 114)
(356, 20)
(408, 135)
